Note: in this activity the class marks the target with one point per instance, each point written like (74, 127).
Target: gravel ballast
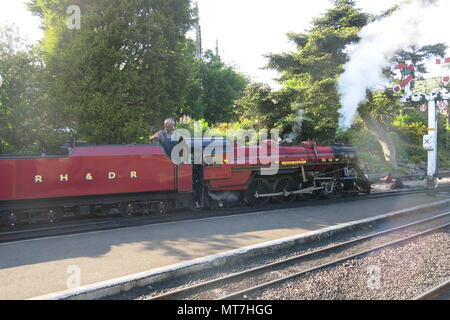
(145, 293)
(394, 273)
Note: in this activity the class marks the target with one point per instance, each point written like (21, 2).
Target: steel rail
(97, 224)
(207, 285)
(334, 262)
(436, 292)
(110, 223)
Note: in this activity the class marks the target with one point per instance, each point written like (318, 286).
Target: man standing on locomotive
(168, 138)
(166, 134)
(164, 137)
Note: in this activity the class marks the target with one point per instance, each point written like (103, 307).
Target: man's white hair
(169, 120)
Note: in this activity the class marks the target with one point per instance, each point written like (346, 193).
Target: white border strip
(125, 283)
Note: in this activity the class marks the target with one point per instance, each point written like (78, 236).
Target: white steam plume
(419, 23)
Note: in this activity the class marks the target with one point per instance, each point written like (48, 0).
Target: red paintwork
(239, 181)
(217, 172)
(155, 172)
(246, 156)
(185, 178)
(317, 158)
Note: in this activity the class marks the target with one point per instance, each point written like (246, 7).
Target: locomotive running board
(288, 193)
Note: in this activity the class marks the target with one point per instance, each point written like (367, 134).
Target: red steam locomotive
(132, 179)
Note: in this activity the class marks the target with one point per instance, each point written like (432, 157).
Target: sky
(246, 30)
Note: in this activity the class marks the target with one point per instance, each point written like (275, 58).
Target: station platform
(38, 267)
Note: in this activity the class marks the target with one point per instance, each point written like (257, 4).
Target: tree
(313, 69)
(265, 108)
(24, 125)
(213, 90)
(116, 78)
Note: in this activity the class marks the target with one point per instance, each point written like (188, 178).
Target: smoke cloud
(417, 23)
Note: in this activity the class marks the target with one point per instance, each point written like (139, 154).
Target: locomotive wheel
(284, 184)
(257, 186)
(55, 215)
(333, 195)
(126, 209)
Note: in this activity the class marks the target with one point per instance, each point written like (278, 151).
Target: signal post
(431, 95)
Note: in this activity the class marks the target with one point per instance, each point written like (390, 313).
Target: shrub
(411, 132)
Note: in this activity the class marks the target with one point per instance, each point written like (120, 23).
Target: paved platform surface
(37, 267)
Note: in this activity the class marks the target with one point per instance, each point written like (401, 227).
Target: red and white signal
(408, 74)
(446, 61)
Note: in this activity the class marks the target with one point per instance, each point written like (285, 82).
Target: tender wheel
(147, 208)
(126, 209)
(256, 187)
(162, 207)
(284, 184)
(55, 215)
(11, 220)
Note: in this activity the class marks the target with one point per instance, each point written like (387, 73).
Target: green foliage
(219, 129)
(342, 16)
(418, 56)
(130, 66)
(201, 128)
(408, 129)
(365, 142)
(127, 68)
(24, 125)
(413, 152)
(194, 126)
(444, 159)
(213, 90)
(267, 109)
(374, 164)
(310, 74)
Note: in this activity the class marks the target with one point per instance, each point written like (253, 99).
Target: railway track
(109, 223)
(242, 284)
(440, 292)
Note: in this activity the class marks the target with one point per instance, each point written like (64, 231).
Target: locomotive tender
(131, 179)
